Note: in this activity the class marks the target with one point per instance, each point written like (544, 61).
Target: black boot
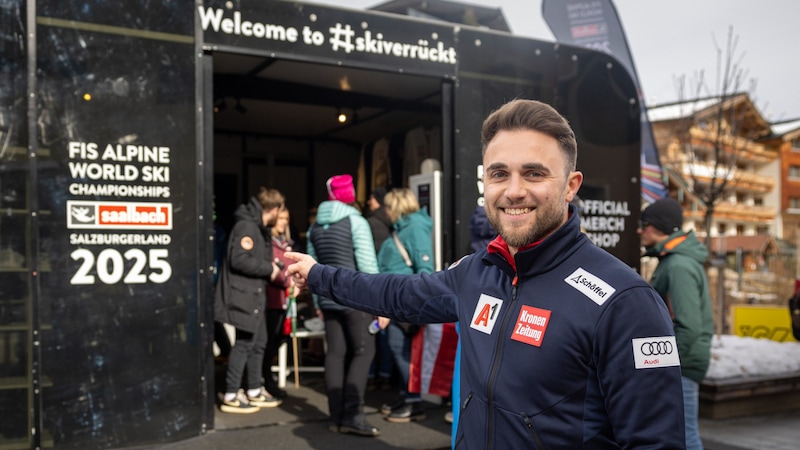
(360, 429)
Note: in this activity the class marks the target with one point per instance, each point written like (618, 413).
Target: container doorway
(292, 124)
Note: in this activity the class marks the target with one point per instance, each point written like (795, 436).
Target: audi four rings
(657, 348)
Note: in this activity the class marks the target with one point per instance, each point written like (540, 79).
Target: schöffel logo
(655, 352)
(118, 215)
(590, 285)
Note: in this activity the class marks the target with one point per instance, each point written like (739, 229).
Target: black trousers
(347, 361)
(275, 338)
(247, 352)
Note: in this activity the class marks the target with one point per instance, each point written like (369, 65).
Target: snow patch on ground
(737, 356)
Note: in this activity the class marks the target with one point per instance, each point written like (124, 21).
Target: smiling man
(563, 346)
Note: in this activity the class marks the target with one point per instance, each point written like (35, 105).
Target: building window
(794, 171)
(721, 229)
(739, 230)
(796, 144)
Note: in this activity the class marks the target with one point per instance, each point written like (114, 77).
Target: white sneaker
(239, 405)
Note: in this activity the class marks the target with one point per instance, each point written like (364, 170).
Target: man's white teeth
(517, 211)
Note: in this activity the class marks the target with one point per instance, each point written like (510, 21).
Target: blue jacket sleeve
(644, 403)
(419, 298)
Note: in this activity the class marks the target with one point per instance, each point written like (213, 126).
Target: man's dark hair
(269, 198)
(520, 114)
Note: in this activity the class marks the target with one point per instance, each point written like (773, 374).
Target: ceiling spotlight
(239, 107)
(221, 105)
(340, 116)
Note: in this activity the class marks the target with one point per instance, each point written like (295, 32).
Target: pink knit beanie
(340, 187)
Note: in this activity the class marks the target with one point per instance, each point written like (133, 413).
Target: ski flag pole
(293, 312)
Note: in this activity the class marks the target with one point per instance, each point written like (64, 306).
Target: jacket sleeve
(685, 296)
(363, 245)
(245, 256)
(418, 298)
(645, 403)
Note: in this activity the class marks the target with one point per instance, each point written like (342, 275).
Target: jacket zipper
(532, 431)
(496, 363)
(463, 409)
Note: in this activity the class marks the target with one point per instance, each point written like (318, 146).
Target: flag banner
(433, 353)
(595, 24)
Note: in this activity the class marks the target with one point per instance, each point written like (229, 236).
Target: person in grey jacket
(241, 296)
(341, 237)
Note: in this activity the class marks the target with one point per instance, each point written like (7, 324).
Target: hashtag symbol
(342, 37)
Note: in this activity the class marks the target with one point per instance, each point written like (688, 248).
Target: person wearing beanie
(341, 237)
(680, 279)
(340, 187)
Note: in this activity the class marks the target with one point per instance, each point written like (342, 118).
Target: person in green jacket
(680, 279)
(409, 250)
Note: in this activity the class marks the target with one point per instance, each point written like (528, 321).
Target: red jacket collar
(499, 246)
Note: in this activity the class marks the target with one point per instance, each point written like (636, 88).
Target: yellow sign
(771, 322)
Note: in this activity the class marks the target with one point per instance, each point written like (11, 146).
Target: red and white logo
(119, 215)
(531, 325)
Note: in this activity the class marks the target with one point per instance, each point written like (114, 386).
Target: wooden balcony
(740, 180)
(743, 148)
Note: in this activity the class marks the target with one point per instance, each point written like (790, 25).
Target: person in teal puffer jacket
(341, 237)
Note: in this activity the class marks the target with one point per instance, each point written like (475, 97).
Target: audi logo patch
(655, 352)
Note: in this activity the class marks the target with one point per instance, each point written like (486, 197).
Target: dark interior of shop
(292, 104)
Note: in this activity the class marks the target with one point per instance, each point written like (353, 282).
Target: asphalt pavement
(301, 423)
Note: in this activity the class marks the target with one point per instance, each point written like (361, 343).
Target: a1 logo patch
(531, 325)
(486, 313)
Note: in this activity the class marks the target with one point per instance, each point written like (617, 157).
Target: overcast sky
(674, 38)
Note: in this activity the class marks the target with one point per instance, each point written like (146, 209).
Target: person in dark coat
(480, 230)
(240, 299)
(381, 226)
(379, 222)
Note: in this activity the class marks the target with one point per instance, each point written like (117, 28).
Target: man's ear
(574, 181)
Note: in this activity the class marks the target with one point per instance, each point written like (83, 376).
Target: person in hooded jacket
(563, 346)
(680, 279)
(341, 237)
(409, 250)
(240, 299)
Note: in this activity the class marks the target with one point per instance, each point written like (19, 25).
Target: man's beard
(548, 219)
